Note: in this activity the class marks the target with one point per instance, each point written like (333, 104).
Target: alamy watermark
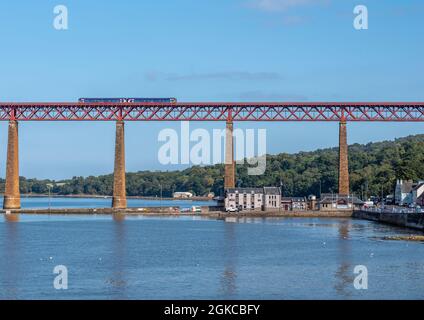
(361, 280)
(60, 282)
(360, 22)
(198, 147)
(60, 20)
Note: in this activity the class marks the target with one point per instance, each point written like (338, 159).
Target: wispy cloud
(292, 20)
(229, 75)
(283, 5)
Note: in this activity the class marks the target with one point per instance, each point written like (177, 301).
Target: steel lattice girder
(401, 112)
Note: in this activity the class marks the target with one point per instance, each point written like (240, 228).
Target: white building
(296, 203)
(408, 192)
(244, 198)
(272, 198)
(330, 202)
(417, 192)
(403, 192)
(182, 195)
(267, 198)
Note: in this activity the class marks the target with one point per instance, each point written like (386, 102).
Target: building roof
(332, 198)
(264, 190)
(244, 190)
(418, 185)
(293, 199)
(272, 190)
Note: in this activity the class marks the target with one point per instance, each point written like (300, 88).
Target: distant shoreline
(96, 196)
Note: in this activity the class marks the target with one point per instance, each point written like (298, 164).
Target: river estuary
(197, 258)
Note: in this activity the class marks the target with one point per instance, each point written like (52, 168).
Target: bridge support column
(343, 160)
(230, 168)
(12, 198)
(119, 200)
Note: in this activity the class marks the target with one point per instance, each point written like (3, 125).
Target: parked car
(368, 204)
(231, 209)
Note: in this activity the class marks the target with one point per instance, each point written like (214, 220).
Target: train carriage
(127, 100)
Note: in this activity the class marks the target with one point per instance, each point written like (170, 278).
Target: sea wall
(409, 220)
(288, 214)
(206, 211)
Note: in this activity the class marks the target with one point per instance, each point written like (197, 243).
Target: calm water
(194, 258)
(104, 203)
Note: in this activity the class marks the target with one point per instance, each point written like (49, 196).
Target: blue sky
(221, 50)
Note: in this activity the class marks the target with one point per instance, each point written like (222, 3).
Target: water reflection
(344, 276)
(11, 217)
(11, 263)
(118, 216)
(117, 282)
(229, 276)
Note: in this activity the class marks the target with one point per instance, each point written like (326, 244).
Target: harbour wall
(409, 220)
(205, 211)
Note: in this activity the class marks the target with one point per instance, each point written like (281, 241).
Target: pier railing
(392, 210)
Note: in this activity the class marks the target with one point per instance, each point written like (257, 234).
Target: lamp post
(160, 194)
(382, 197)
(281, 195)
(320, 188)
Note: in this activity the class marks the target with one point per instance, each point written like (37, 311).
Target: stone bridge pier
(343, 160)
(12, 198)
(119, 200)
(230, 167)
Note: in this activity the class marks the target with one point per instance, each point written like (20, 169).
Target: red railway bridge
(341, 112)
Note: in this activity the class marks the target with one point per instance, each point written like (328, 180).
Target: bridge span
(229, 112)
(214, 111)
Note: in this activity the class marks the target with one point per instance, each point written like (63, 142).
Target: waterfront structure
(312, 202)
(408, 192)
(266, 198)
(331, 202)
(272, 198)
(286, 203)
(294, 204)
(417, 192)
(341, 112)
(299, 204)
(182, 195)
(244, 198)
(403, 192)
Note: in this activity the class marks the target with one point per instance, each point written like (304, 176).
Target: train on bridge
(127, 100)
